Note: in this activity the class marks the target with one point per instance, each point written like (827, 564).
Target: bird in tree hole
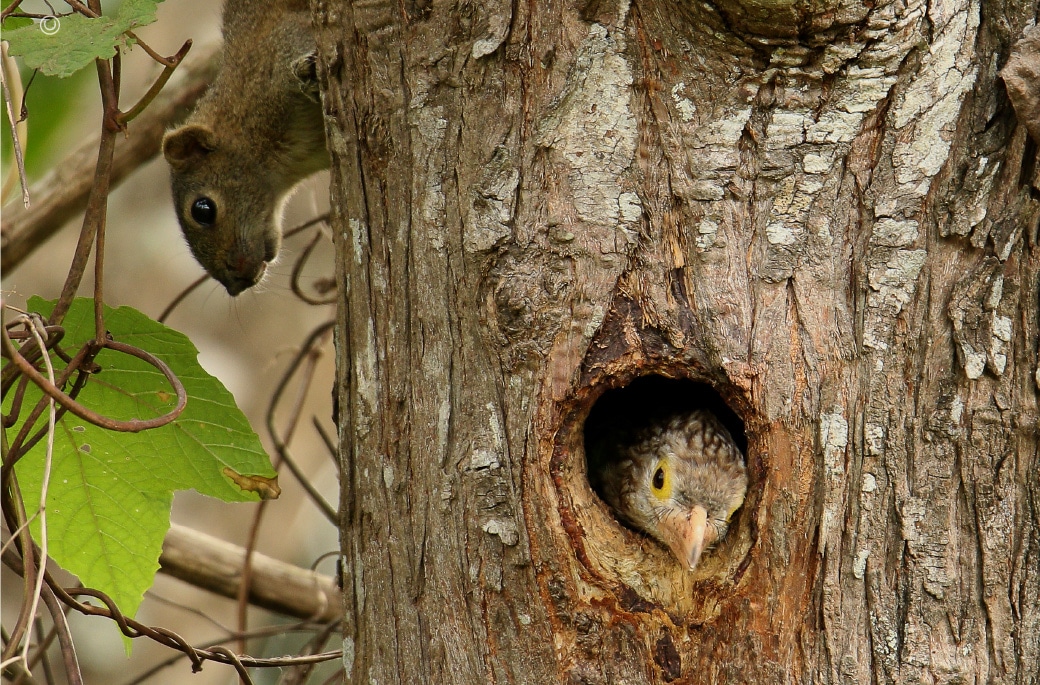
(679, 479)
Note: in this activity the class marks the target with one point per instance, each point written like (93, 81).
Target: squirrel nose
(243, 272)
(246, 261)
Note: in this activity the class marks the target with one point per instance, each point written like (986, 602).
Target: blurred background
(247, 342)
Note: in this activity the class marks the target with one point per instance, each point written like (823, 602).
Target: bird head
(680, 481)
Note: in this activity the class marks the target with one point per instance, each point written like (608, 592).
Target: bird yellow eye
(661, 483)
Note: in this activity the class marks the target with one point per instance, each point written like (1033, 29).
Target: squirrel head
(230, 219)
(256, 133)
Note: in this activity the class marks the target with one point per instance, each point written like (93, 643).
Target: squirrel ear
(305, 70)
(188, 144)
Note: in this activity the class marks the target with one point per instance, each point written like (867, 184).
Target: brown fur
(256, 134)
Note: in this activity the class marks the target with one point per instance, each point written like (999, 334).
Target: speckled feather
(708, 466)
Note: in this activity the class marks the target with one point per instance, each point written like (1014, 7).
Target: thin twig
(35, 588)
(44, 638)
(15, 669)
(19, 448)
(64, 190)
(131, 425)
(134, 629)
(182, 296)
(14, 536)
(83, 361)
(55, 334)
(165, 61)
(243, 674)
(242, 599)
(308, 352)
(327, 439)
(18, 128)
(89, 12)
(15, 515)
(10, 8)
(306, 224)
(44, 484)
(265, 631)
(109, 78)
(94, 215)
(174, 604)
(297, 273)
(299, 675)
(68, 647)
(170, 65)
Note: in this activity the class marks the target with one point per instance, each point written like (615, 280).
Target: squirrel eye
(658, 481)
(204, 211)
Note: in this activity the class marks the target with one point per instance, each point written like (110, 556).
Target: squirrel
(255, 134)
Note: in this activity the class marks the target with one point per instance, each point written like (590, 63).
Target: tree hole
(653, 398)
(647, 559)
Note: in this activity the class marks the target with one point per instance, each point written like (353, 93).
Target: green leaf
(108, 503)
(61, 46)
(13, 22)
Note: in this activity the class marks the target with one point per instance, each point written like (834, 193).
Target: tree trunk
(827, 213)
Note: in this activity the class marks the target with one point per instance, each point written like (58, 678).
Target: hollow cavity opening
(654, 398)
(668, 458)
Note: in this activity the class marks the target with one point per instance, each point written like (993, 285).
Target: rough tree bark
(827, 211)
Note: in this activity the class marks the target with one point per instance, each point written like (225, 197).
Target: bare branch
(216, 565)
(18, 127)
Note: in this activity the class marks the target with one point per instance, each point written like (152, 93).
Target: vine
(85, 386)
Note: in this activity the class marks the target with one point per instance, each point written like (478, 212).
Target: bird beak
(684, 534)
